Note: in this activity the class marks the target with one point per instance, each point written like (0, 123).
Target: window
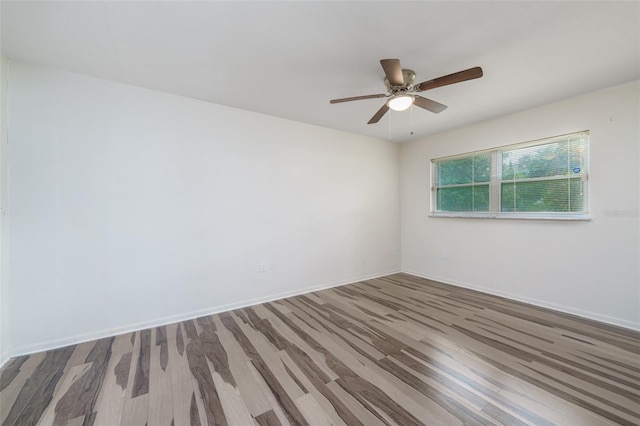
(541, 179)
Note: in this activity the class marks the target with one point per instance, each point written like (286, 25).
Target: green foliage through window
(547, 176)
(473, 198)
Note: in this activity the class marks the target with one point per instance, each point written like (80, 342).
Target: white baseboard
(74, 340)
(536, 302)
(80, 338)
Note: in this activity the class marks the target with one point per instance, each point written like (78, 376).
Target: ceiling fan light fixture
(400, 102)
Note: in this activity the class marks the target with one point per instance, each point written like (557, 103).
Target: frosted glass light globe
(400, 103)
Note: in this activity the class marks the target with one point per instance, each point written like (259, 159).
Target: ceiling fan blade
(428, 104)
(356, 98)
(456, 77)
(393, 71)
(378, 115)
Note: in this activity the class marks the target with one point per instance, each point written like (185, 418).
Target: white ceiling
(288, 59)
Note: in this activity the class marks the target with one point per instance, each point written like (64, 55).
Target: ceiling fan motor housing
(407, 75)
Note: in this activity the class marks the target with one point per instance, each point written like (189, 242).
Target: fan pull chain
(411, 120)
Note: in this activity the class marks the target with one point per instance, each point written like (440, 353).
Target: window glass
(464, 198)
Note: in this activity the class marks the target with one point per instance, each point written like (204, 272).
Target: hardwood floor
(397, 350)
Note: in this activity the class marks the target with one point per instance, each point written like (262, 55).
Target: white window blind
(546, 178)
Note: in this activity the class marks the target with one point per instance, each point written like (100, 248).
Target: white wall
(4, 282)
(588, 268)
(131, 207)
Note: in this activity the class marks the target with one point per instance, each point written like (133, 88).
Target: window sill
(535, 216)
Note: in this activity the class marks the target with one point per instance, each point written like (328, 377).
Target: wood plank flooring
(398, 350)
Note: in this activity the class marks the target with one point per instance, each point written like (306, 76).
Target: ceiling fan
(401, 89)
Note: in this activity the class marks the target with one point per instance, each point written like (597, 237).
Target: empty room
(319, 213)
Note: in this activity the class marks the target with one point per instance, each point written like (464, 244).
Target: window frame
(495, 183)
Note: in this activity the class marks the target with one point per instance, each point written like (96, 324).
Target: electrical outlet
(445, 255)
(263, 266)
